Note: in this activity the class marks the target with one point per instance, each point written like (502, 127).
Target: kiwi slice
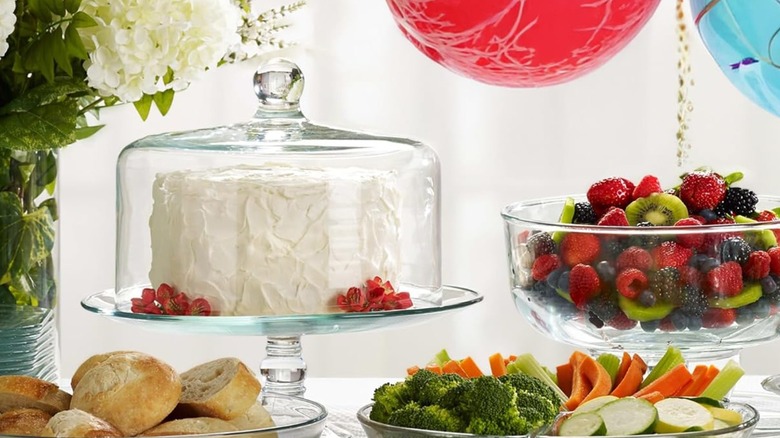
(638, 312)
(567, 216)
(750, 294)
(763, 239)
(660, 209)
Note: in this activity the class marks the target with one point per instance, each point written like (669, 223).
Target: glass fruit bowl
(691, 287)
(750, 418)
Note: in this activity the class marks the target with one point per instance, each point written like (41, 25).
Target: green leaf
(82, 19)
(143, 106)
(45, 169)
(40, 10)
(163, 100)
(74, 44)
(46, 94)
(46, 127)
(55, 6)
(168, 78)
(25, 171)
(72, 5)
(87, 131)
(46, 57)
(5, 171)
(51, 205)
(61, 52)
(10, 228)
(35, 242)
(6, 297)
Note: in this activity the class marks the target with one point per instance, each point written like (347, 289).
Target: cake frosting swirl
(274, 239)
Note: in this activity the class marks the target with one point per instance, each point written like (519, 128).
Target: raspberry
(671, 254)
(692, 240)
(737, 201)
(622, 322)
(735, 249)
(579, 248)
(757, 265)
(702, 190)
(610, 192)
(634, 257)
(690, 276)
(540, 244)
(544, 265)
(584, 214)
(665, 283)
(726, 279)
(614, 217)
(646, 187)
(631, 282)
(718, 318)
(584, 284)
(774, 257)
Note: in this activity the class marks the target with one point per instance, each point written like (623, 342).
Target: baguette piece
(90, 363)
(24, 421)
(256, 417)
(223, 388)
(132, 391)
(29, 392)
(77, 423)
(191, 426)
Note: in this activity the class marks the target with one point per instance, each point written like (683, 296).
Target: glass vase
(29, 343)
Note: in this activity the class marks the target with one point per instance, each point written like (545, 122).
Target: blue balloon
(743, 36)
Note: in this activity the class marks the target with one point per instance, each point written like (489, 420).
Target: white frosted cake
(276, 239)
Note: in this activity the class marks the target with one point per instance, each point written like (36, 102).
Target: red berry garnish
(544, 265)
(168, 301)
(634, 257)
(199, 307)
(610, 192)
(725, 280)
(757, 265)
(631, 282)
(373, 296)
(702, 190)
(646, 187)
(579, 248)
(584, 284)
(615, 217)
(164, 293)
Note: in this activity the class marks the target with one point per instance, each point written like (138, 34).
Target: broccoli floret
(525, 382)
(537, 409)
(490, 408)
(426, 417)
(387, 399)
(436, 388)
(417, 382)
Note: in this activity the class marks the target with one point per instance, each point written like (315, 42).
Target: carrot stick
(497, 365)
(697, 387)
(653, 397)
(412, 370)
(470, 367)
(642, 363)
(453, 367)
(625, 362)
(668, 383)
(564, 373)
(580, 387)
(631, 381)
(434, 368)
(597, 375)
(510, 359)
(697, 374)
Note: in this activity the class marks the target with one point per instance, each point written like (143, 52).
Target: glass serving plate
(284, 369)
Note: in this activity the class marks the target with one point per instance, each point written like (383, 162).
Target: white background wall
(496, 145)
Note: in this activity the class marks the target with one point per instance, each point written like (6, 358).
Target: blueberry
(745, 315)
(679, 320)
(606, 271)
(708, 215)
(697, 260)
(768, 285)
(552, 277)
(760, 308)
(563, 281)
(595, 320)
(647, 298)
(650, 326)
(694, 322)
(709, 264)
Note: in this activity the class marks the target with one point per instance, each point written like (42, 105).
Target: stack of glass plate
(28, 342)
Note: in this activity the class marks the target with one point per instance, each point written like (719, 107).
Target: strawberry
(584, 284)
(693, 240)
(615, 217)
(718, 318)
(768, 216)
(634, 257)
(725, 280)
(646, 187)
(610, 192)
(670, 254)
(579, 248)
(712, 240)
(774, 260)
(757, 265)
(631, 282)
(702, 190)
(690, 275)
(544, 265)
(622, 322)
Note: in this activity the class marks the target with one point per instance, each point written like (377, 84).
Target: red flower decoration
(168, 301)
(375, 295)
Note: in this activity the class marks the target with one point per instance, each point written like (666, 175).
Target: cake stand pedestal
(284, 370)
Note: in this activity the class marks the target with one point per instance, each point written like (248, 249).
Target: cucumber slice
(628, 416)
(638, 312)
(679, 415)
(750, 294)
(585, 424)
(706, 401)
(720, 424)
(728, 416)
(567, 216)
(594, 404)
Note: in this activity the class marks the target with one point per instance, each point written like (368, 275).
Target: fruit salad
(660, 259)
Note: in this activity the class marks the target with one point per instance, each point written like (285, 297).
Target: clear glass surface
(552, 312)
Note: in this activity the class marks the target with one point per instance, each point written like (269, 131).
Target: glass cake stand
(283, 369)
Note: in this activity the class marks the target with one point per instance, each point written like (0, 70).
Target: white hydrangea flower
(136, 42)
(7, 22)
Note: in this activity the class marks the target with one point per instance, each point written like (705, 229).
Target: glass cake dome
(276, 216)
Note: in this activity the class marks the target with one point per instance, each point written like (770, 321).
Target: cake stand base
(283, 369)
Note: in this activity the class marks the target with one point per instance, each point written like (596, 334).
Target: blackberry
(584, 214)
(606, 271)
(648, 241)
(665, 284)
(612, 247)
(693, 301)
(737, 201)
(735, 249)
(540, 244)
(604, 306)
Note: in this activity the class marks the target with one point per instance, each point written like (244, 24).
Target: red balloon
(521, 43)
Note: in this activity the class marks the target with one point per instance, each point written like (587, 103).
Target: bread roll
(256, 417)
(28, 392)
(24, 421)
(90, 363)
(77, 423)
(132, 391)
(223, 388)
(191, 426)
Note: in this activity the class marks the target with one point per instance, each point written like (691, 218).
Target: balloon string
(684, 81)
